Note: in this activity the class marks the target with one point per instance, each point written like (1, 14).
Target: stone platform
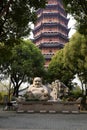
(48, 107)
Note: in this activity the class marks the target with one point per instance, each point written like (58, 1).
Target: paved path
(38, 121)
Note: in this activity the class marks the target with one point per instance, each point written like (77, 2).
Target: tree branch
(83, 4)
(5, 9)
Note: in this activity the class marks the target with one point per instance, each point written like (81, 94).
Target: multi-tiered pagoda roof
(51, 29)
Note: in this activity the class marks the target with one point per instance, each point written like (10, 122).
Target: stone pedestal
(44, 106)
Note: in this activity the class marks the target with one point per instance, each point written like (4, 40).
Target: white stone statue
(54, 91)
(58, 89)
(37, 90)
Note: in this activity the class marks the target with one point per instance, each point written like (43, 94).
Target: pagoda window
(50, 40)
(50, 51)
(50, 29)
(50, 20)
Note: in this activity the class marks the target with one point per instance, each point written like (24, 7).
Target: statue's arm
(30, 87)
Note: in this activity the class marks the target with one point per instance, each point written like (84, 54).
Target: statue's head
(57, 81)
(37, 82)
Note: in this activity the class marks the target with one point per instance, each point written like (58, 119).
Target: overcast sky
(71, 25)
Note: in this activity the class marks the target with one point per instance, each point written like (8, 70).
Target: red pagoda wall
(51, 31)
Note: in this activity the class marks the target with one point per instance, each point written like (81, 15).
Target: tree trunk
(16, 89)
(81, 85)
(82, 88)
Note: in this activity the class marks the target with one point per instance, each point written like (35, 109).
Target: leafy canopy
(78, 8)
(57, 69)
(75, 56)
(16, 16)
(25, 62)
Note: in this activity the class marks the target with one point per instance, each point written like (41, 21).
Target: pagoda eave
(50, 25)
(51, 35)
(48, 56)
(51, 45)
(51, 29)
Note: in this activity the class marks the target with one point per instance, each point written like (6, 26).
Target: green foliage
(2, 94)
(76, 56)
(57, 70)
(1, 98)
(25, 62)
(4, 53)
(70, 61)
(16, 16)
(76, 92)
(78, 8)
(27, 58)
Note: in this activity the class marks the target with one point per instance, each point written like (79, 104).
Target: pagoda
(51, 29)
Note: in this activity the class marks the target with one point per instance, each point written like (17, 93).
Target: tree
(7, 87)
(76, 91)
(16, 16)
(78, 8)
(4, 52)
(76, 57)
(25, 62)
(57, 70)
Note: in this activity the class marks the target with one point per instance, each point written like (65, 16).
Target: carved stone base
(44, 106)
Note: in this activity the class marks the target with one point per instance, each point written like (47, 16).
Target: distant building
(51, 29)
